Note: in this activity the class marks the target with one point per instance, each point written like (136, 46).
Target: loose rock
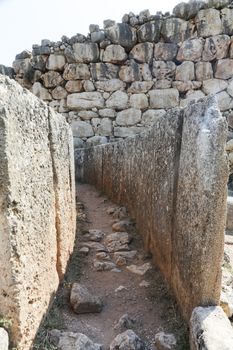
(82, 301)
(73, 341)
(139, 270)
(127, 341)
(165, 341)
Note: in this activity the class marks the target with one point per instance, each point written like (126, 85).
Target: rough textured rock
(82, 129)
(174, 30)
(86, 52)
(149, 32)
(216, 47)
(51, 79)
(85, 100)
(139, 270)
(203, 71)
(41, 92)
(213, 326)
(142, 52)
(118, 100)
(4, 339)
(110, 85)
(224, 69)
(165, 51)
(138, 101)
(43, 156)
(165, 98)
(185, 71)
(227, 24)
(128, 117)
(127, 341)
(165, 341)
(191, 50)
(76, 71)
(117, 241)
(55, 62)
(213, 86)
(122, 34)
(82, 301)
(208, 22)
(114, 54)
(73, 341)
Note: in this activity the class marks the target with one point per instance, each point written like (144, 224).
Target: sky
(26, 22)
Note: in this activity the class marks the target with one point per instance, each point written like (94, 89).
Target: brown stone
(74, 86)
(76, 71)
(142, 52)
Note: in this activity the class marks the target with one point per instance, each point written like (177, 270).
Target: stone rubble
(73, 341)
(82, 301)
(127, 340)
(165, 341)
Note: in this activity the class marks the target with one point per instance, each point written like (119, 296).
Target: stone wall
(118, 80)
(37, 201)
(173, 181)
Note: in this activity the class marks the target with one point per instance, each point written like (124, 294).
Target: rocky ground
(112, 295)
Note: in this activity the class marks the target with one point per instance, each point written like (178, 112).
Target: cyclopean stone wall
(37, 207)
(173, 181)
(118, 80)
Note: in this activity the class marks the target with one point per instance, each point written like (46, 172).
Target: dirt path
(149, 305)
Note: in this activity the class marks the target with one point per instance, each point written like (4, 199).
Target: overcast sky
(25, 22)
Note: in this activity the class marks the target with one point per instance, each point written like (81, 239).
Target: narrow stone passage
(112, 265)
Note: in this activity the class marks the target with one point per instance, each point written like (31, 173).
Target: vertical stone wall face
(37, 207)
(173, 180)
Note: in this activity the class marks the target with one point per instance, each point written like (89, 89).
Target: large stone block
(118, 100)
(208, 22)
(81, 129)
(227, 24)
(191, 50)
(174, 30)
(114, 54)
(185, 71)
(164, 98)
(164, 70)
(224, 69)
(213, 86)
(37, 208)
(86, 52)
(122, 34)
(76, 71)
(85, 100)
(165, 51)
(128, 117)
(216, 47)
(203, 71)
(149, 32)
(142, 52)
(103, 71)
(55, 62)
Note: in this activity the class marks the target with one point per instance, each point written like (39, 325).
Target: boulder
(114, 54)
(191, 50)
(142, 52)
(41, 92)
(122, 34)
(127, 341)
(130, 72)
(203, 71)
(81, 129)
(165, 341)
(140, 86)
(103, 71)
(86, 52)
(59, 93)
(139, 270)
(74, 86)
(174, 30)
(216, 47)
(55, 62)
(85, 100)
(165, 51)
(110, 85)
(82, 301)
(72, 341)
(51, 79)
(224, 69)
(128, 117)
(76, 71)
(151, 116)
(213, 86)
(164, 98)
(139, 101)
(185, 71)
(208, 22)
(118, 100)
(227, 25)
(188, 10)
(117, 241)
(164, 70)
(149, 32)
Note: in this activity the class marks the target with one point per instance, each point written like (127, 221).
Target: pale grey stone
(88, 86)
(164, 98)
(4, 339)
(184, 86)
(55, 62)
(21, 66)
(225, 101)
(203, 71)
(213, 86)
(165, 341)
(86, 52)
(142, 52)
(39, 62)
(216, 47)
(122, 34)
(74, 86)
(128, 117)
(114, 54)
(110, 85)
(108, 23)
(107, 113)
(105, 127)
(95, 123)
(227, 15)
(78, 143)
(151, 116)
(229, 222)
(174, 30)
(130, 72)
(191, 50)
(140, 86)
(218, 4)
(51, 79)
(165, 51)
(145, 72)
(149, 32)
(208, 22)
(187, 10)
(139, 269)
(103, 71)
(125, 322)
(162, 84)
(139, 101)
(224, 68)
(117, 241)
(213, 325)
(123, 132)
(59, 93)
(85, 100)
(164, 70)
(118, 100)
(191, 96)
(230, 87)
(73, 341)
(81, 129)
(94, 28)
(127, 340)
(22, 55)
(97, 140)
(185, 71)
(97, 37)
(87, 115)
(103, 265)
(76, 71)
(41, 92)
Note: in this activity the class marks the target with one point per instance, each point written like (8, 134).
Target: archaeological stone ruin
(142, 110)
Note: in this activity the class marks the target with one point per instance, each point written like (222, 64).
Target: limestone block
(105, 127)
(218, 4)
(110, 85)
(97, 37)
(122, 34)
(142, 52)
(201, 195)
(164, 70)
(216, 47)
(188, 10)
(208, 22)
(86, 52)
(203, 71)
(149, 32)
(59, 93)
(166, 98)
(214, 327)
(97, 140)
(39, 62)
(41, 92)
(51, 79)
(151, 116)
(174, 30)
(139, 101)
(225, 101)
(76, 71)
(130, 72)
(162, 84)
(81, 129)
(128, 117)
(227, 24)
(165, 51)
(55, 62)
(7, 71)
(184, 86)
(118, 100)
(185, 71)
(107, 113)
(114, 54)
(71, 341)
(121, 131)
(21, 66)
(103, 71)
(224, 69)
(145, 72)
(230, 87)
(74, 86)
(4, 339)
(191, 96)
(213, 86)
(85, 100)
(88, 86)
(191, 50)
(140, 86)
(87, 115)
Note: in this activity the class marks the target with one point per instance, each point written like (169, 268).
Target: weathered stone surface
(130, 72)
(105, 127)
(227, 24)
(81, 129)
(72, 341)
(103, 71)
(97, 140)
(110, 85)
(140, 86)
(6, 71)
(82, 301)
(85, 100)
(4, 339)
(142, 52)
(224, 69)
(127, 341)
(185, 71)
(164, 70)
(191, 50)
(229, 222)
(127, 131)
(122, 34)
(37, 129)
(59, 93)
(41, 92)
(216, 47)
(78, 143)
(214, 327)
(225, 101)
(213, 86)
(184, 86)
(174, 30)
(138, 101)
(87, 115)
(165, 51)
(128, 117)
(208, 22)
(51, 79)
(149, 32)
(76, 71)
(165, 341)
(88, 86)
(107, 113)
(97, 37)
(55, 62)
(74, 86)
(203, 71)
(21, 66)
(104, 265)
(201, 194)
(39, 62)
(188, 10)
(118, 100)
(139, 270)
(165, 98)
(125, 322)
(191, 96)
(125, 225)
(230, 87)
(86, 52)
(114, 54)
(151, 116)
(117, 241)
